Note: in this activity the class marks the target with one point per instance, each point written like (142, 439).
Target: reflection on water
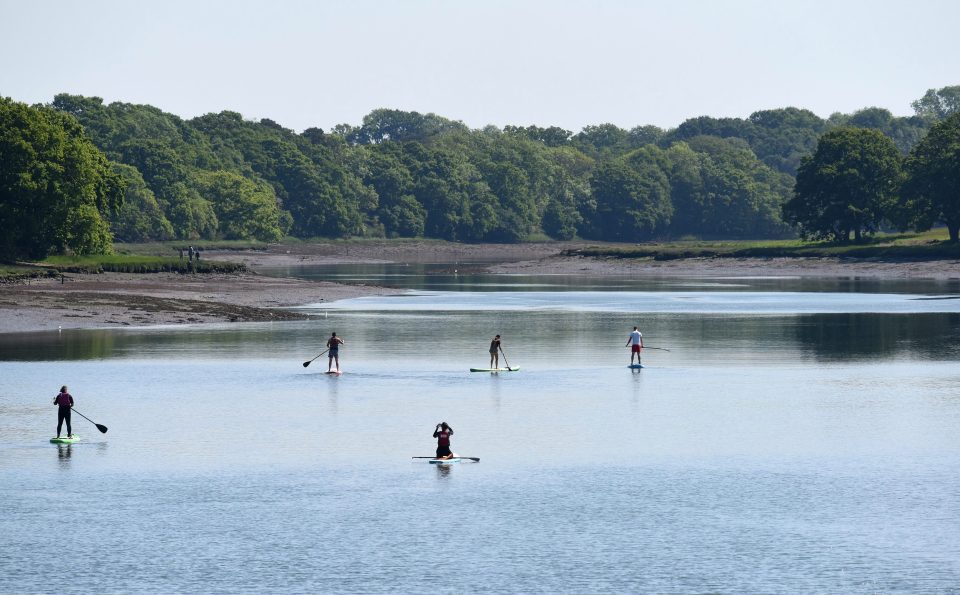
(470, 277)
(800, 451)
(928, 336)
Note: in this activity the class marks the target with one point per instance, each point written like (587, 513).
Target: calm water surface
(797, 437)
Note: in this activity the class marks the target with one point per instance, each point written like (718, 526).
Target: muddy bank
(124, 299)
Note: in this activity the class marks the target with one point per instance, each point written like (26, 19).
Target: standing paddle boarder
(495, 353)
(442, 433)
(635, 342)
(64, 401)
(333, 344)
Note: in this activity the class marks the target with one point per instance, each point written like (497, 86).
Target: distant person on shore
(64, 402)
(181, 254)
(442, 433)
(190, 253)
(196, 253)
(333, 344)
(495, 353)
(635, 343)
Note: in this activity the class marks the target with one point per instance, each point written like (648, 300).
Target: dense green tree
(847, 187)
(552, 136)
(938, 104)
(56, 188)
(140, 219)
(932, 186)
(632, 201)
(396, 125)
(905, 132)
(602, 140)
(245, 210)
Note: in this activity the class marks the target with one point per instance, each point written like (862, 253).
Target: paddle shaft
(102, 428)
(305, 364)
(505, 357)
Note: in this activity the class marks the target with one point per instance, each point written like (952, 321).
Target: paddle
(305, 364)
(505, 358)
(102, 428)
(476, 459)
(660, 348)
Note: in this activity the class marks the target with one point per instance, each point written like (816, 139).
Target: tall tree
(632, 201)
(56, 188)
(938, 104)
(932, 184)
(847, 186)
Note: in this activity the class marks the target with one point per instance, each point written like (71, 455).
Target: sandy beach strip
(126, 299)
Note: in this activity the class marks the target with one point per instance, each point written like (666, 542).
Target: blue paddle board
(635, 366)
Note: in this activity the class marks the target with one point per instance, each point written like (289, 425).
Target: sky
(500, 62)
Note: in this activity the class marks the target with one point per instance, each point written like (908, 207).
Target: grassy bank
(136, 263)
(55, 266)
(930, 245)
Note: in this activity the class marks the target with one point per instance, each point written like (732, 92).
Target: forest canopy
(89, 172)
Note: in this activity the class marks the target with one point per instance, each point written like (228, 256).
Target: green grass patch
(171, 248)
(932, 245)
(10, 273)
(135, 263)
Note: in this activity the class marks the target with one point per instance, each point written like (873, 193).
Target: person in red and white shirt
(635, 343)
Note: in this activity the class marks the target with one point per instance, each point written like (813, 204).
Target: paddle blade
(102, 428)
(305, 364)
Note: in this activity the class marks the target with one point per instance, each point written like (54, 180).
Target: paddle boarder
(64, 402)
(333, 344)
(442, 433)
(635, 343)
(495, 353)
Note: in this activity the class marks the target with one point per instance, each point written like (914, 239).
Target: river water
(798, 436)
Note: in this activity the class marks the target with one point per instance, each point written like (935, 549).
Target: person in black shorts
(64, 402)
(442, 433)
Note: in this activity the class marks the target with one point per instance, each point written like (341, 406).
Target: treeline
(406, 174)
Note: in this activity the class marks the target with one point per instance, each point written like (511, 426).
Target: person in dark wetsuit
(64, 401)
(333, 344)
(442, 433)
(495, 353)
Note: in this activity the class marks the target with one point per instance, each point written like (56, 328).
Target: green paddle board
(65, 439)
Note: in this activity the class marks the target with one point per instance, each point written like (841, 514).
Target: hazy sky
(544, 62)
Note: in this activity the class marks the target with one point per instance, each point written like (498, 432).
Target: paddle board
(444, 461)
(513, 369)
(635, 366)
(65, 440)
(334, 372)
(454, 459)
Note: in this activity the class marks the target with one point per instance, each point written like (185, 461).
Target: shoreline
(111, 300)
